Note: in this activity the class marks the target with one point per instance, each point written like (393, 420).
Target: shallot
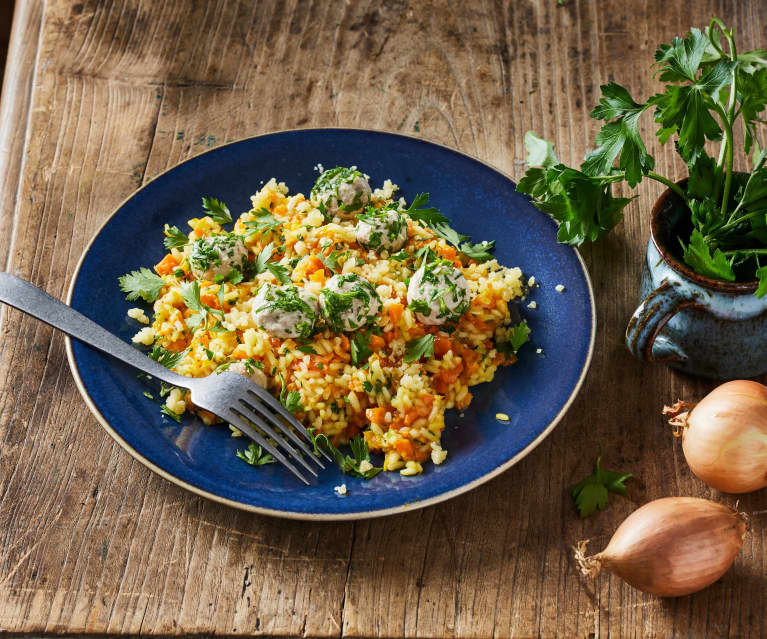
(724, 436)
(670, 547)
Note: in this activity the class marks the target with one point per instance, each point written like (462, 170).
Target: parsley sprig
(438, 223)
(358, 465)
(142, 283)
(217, 210)
(710, 89)
(592, 493)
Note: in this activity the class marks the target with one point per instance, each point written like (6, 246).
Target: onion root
(589, 566)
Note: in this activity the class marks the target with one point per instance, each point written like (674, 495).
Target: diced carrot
(405, 448)
(280, 209)
(375, 415)
(166, 266)
(210, 300)
(318, 276)
(313, 264)
(376, 343)
(395, 312)
(448, 252)
(444, 379)
(442, 345)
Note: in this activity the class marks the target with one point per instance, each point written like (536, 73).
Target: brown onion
(670, 547)
(724, 436)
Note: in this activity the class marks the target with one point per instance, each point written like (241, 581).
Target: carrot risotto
(366, 316)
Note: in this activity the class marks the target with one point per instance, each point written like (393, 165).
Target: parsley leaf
(619, 137)
(540, 152)
(592, 493)
(142, 283)
(761, 274)
(174, 238)
(429, 216)
(415, 349)
(190, 291)
(263, 223)
(698, 256)
(358, 465)
(169, 413)
(360, 351)
(255, 455)
(518, 337)
(331, 261)
(167, 358)
(217, 210)
(279, 272)
(308, 349)
(263, 258)
(290, 400)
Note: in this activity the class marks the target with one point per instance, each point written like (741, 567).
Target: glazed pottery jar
(696, 324)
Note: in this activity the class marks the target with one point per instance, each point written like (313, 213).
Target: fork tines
(260, 407)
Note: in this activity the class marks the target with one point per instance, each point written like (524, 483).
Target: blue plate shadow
(479, 201)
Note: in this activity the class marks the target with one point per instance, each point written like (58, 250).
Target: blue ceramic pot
(696, 324)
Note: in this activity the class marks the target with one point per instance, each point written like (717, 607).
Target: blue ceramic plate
(479, 200)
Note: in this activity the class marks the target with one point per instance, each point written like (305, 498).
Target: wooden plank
(14, 106)
(92, 542)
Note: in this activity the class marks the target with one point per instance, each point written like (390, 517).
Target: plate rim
(289, 514)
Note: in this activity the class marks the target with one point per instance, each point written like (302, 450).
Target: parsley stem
(737, 221)
(752, 251)
(674, 187)
(729, 143)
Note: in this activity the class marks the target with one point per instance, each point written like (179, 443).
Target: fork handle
(35, 302)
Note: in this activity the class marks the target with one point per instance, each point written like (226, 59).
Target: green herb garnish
(142, 283)
(255, 455)
(175, 238)
(592, 493)
(217, 210)
(348, 465)
(163, 356)
(169, 413)
(417, 348)
(518, 336)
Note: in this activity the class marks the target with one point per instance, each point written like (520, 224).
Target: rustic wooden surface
(103, 95)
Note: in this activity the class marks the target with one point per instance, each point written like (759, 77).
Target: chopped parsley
(290, 400)
(350, 465)
(255, 455)
(265, 222)
(169, 413)
(518, 336)
(360, 347)
(308, 349)
(163, 356)
(263, 258)
(279, 272)
(415, 349)
(142, 283)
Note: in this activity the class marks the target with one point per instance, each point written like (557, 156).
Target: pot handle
(648, 321)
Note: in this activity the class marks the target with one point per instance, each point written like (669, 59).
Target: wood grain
(120, 90)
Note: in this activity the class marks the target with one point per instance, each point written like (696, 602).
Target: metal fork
(232, 397)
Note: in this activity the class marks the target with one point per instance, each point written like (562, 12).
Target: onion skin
(724, 437)
(671, 547)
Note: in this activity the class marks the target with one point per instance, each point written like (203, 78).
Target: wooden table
(100, 97)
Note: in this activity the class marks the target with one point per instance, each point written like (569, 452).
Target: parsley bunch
(710, 90)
